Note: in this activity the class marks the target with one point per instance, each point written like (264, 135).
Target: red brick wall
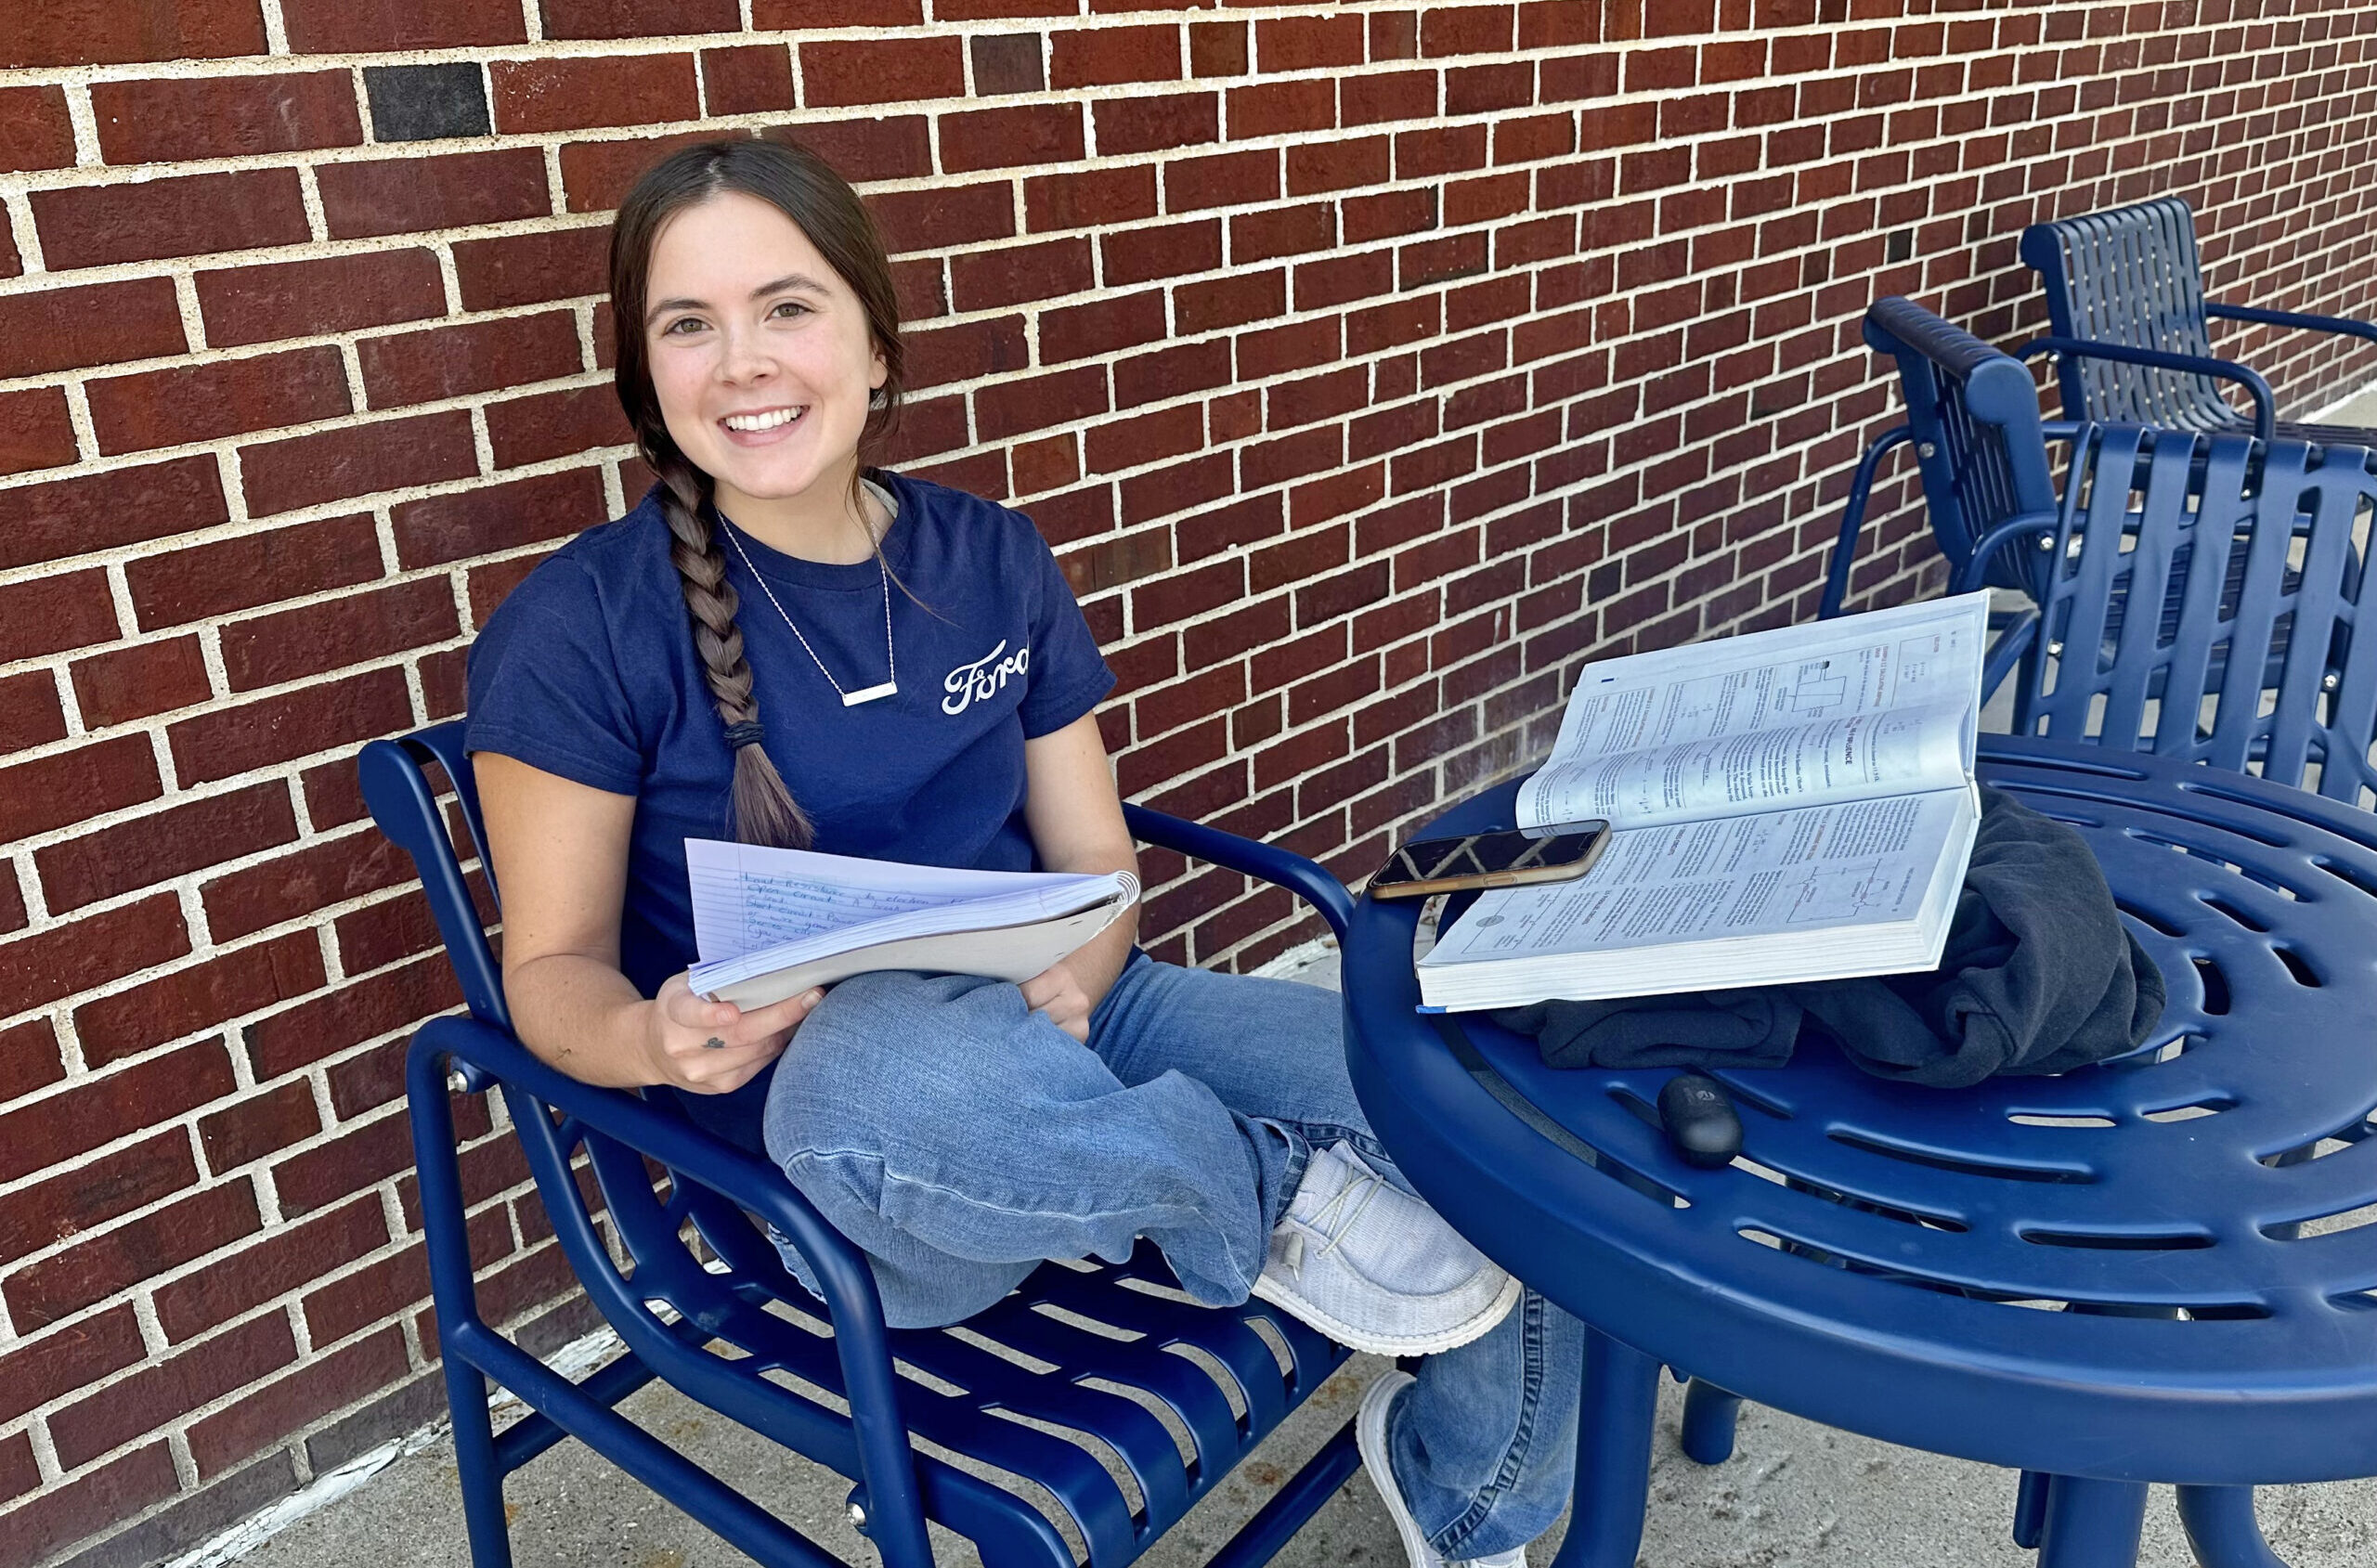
(1368, 363)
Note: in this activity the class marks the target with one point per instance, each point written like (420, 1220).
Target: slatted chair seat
(1104, 1400)
(1143, 1325)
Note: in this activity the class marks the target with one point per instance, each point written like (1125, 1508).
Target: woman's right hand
(716, 1047)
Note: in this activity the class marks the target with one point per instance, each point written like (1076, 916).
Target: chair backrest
(2129, 275)
(1974, 413)
(397, 790)
(2253, 561)
(443, 838)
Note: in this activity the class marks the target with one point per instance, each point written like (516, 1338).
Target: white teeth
(762, 421)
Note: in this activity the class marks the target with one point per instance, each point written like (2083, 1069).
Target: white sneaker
(1373, 1267)
(1369, 1435)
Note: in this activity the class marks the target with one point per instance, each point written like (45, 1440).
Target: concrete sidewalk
(1794, 1493)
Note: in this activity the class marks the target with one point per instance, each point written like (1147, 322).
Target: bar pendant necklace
(889, 686)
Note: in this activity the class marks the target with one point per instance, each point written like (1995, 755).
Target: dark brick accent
(1008, 62)
(427, 103)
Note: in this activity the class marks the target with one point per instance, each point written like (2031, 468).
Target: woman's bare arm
(1075, 816)
(560, 850)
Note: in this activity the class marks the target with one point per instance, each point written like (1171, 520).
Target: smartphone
(1509, 859)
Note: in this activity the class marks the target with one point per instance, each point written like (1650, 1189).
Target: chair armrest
(2265, 401)
(742, 1178)
(2029, 525)
(2007, 651)
(2302, 318)
(1307, 879)
(2023, 630)
(1853, 520)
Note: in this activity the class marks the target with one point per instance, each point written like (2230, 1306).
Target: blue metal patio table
(2150, 1270)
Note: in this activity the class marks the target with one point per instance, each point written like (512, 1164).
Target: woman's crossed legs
(959, 1140)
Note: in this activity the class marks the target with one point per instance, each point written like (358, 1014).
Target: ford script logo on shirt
(983, 680)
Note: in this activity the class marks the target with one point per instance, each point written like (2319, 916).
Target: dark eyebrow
(787, 283)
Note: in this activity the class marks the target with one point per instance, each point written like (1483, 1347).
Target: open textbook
(1792, 804)
(770, 923)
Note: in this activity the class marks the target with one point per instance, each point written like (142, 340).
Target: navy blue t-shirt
(588, 670)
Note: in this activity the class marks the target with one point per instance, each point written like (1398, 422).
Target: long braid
(820, 202)
(764, 810)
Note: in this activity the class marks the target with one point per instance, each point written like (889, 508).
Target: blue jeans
(960, 1140)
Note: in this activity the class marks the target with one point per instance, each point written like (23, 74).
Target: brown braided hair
(820, 202)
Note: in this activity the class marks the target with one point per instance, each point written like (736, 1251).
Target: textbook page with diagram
(1787, 805)
(770, 923)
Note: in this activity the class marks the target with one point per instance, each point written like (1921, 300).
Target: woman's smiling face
(760, 354)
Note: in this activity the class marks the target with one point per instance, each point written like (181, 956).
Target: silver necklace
(890, 686)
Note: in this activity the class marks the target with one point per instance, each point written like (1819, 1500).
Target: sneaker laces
(1368, 1181)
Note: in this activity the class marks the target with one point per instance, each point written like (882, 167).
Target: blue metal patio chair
(1972, 415)
(2131, 329)
(2249, 547)
(712, 1318)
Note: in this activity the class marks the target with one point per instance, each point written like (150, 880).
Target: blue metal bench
(2131, 329)
(709, 1318)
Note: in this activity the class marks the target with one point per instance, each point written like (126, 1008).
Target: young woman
(783, 644)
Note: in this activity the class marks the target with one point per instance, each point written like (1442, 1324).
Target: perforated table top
(2163, 1267)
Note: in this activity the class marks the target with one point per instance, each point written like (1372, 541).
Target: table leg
(2092, 1523)
(1709, 1416)
(2029, 1509)
(1621, 1396)
(2222, 1528)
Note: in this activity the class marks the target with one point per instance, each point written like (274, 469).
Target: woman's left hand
(1054, 992)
